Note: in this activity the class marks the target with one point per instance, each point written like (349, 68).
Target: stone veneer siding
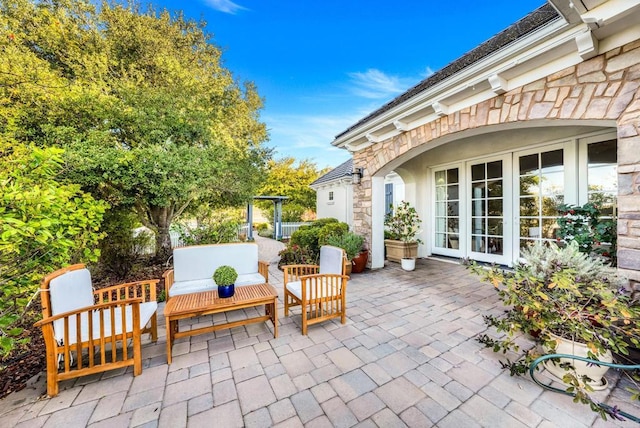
(604, 87)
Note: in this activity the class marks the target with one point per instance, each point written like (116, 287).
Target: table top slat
(193, 302)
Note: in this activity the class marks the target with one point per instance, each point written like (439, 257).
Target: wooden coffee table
(207, 303)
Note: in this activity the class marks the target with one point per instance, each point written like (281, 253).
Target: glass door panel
(447, 211)
(487, 210)
(490, 210)
(542, 189)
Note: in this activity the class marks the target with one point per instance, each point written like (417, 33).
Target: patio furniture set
(88, 332)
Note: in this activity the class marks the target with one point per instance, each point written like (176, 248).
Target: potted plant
(225, 278)
(557, 294)
(402, 229)
(350, 242)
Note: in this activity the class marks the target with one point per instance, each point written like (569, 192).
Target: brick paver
(406, 357)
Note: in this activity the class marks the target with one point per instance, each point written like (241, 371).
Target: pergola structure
(277, 215)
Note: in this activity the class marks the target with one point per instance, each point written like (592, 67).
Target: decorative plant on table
(582, 224)
(561, 292)
(225, 278)
(403, 224)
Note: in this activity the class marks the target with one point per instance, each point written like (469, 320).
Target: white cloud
(226, 6)
(309, 136)
(376, 84)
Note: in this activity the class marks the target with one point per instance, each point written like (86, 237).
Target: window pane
(452, 192)
(549, 227)
(477, 244)
(528, 164)
(477, 172)
(441, 209)
(552, 159)
(453, 209)
(495, 246)
(605, 152)
(452, 176)
(494, 169)
(478, 207)
(495, 207)
(477, 190)
(478, 226)
(529, 207)
(441, 178)
(440, 240)
(495, 226)
(440, 224)
(529, 185)
(494, 188)
(453, 225)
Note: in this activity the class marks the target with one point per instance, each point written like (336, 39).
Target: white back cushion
(201, 261)
(71, 291)
(331, 260)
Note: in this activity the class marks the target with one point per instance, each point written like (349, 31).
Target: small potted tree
(225, 278)
(402, 227)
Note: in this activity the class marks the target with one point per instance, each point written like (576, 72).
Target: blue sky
(321, 65)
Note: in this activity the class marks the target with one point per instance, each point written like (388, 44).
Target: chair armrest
(263, 269)
(145, 290)
(294, 272)
(135, 303)
(168, 282)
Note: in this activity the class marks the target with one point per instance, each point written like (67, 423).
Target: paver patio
(406, 357)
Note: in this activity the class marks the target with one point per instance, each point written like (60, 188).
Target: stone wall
(604, 87)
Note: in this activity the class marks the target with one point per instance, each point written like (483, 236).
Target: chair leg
(286, 304)
(304, 321)
(137, 355)
(154, 328)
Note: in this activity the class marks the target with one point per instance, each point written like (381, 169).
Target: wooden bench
(206, 303)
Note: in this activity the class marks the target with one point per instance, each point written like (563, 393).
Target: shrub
(582, 225)
(313, 235)
(331, 230)
(350, 242)
(212, 231)
(225, 275)
(297, 255)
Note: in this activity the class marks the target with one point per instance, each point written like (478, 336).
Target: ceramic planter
(408, 264)
(225, 291)
(593, 371)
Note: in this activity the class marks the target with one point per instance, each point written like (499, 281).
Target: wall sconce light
(356, 175)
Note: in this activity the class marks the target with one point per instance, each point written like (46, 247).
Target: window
(388, 198)
(602, 176)
(330, 196)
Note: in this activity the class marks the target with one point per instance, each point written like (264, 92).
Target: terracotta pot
(359, 262)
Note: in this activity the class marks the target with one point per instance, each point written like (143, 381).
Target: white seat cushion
(250, 279)
(295, 288)
(331, 260)
(147, 310)
(193, 286)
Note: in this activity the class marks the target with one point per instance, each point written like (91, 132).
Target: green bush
(210, 232)
(311, 236)
(350, 242)
(296, 255)
(44, 225)
(225, 275)
(331, 230)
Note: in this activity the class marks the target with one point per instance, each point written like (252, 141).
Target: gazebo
(277, 215)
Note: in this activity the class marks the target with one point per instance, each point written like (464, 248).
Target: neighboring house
(334, 192)
(545, 112)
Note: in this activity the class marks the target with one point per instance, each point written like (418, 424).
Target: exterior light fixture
(356, 175)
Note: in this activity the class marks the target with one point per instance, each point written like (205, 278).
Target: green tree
(148, 115)
(291, 178)
(44, 225)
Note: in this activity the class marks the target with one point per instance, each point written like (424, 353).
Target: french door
(489, 210)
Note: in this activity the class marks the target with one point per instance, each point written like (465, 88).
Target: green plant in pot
(402, 224)
(350, 242)
(562, 296)
(225, 278)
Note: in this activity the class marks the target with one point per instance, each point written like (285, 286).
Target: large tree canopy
(291, 178)
(141, 102)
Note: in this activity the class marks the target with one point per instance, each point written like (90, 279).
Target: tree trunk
(163, 243)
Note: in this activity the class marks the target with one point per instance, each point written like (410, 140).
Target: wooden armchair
(319, 289)
(75, 318)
